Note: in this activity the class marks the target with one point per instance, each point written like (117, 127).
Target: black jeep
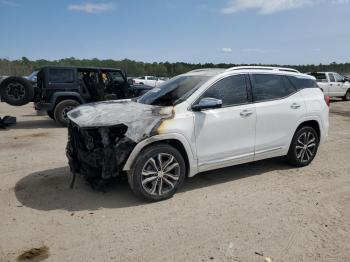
(57, 90)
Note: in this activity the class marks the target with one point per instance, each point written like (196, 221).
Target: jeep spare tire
(16, 91)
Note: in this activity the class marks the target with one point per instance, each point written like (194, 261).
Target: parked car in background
(164, 78)
(57, 90)
(199, 121)
(33, 77)
(147, 80)
(333, 84)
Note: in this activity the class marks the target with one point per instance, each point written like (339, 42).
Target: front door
(340, 87)
(225, 136)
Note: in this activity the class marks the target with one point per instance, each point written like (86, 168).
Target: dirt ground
(243, 213)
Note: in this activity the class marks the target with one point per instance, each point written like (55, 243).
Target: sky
(196, 31)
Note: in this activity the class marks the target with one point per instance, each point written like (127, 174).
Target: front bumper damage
(99, 153)
(101, 137)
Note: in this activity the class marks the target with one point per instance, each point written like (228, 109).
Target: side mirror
(207, 103)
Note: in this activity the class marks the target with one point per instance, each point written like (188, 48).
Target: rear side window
(302, 83)
(231, 90)
(320, 77)
(331, 78)
(61, 76)
(269, 87)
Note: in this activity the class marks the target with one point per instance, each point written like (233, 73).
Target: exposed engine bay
(102, 135)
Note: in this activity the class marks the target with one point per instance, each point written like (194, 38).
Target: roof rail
(263, 68)
(204, 69)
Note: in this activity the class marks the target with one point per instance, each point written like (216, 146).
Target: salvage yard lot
(242, 213)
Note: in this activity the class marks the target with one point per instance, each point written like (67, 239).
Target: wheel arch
(61, 96)
(312, 123)
(307, 122)
(176, 140)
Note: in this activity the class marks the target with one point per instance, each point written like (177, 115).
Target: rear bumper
(325, 131)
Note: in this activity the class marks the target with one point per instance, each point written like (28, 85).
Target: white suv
(202, 120)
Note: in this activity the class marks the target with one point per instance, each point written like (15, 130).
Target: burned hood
(141, 119)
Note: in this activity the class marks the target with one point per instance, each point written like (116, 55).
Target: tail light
(328, 100)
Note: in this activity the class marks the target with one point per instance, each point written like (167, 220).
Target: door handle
(295, 106)
(246, 113)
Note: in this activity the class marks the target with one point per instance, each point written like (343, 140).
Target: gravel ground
(244, 213)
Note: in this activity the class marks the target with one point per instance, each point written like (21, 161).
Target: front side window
(61, 76)
(338, 78)
(269, 87)
(231, 90)
(331, 78)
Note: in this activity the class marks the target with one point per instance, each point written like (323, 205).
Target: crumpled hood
(140, 119)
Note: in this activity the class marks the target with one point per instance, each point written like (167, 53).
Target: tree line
(24, 66)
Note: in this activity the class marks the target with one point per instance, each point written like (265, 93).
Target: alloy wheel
(306, 146)
(160, 174)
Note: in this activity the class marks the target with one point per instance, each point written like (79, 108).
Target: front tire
(50, 114)
(347, 96)
(61, 110)
(304, 147)
(157, 173)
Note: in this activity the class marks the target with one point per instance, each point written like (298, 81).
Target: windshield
(174, 91)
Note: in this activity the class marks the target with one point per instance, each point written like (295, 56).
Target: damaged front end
(98, 153)
(101, 136)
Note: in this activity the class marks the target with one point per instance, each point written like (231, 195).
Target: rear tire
(61, 110)
(347, 96)
(16, 91)
(157, 173)
(303, 148)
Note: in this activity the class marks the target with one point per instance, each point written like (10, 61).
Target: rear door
(340, 88)
(279, 108)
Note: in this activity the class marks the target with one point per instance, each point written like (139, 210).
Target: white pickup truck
(148, 81)
(333, 84)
